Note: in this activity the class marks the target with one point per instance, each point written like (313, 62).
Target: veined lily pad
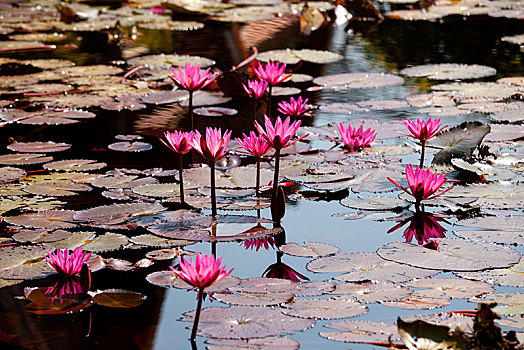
(9, 174)
(74, 165)
(311, 249)
(512, 276)
(118, 298)
(24, 158)
(108, 241)
(450, 287)
(168, 60)
(374, 203)
(241, 322)
(56, 188)
(126, 146)
(45, 219)
(358, 80)
(361, 332)
(117, 213)
(155, 241)
(452, 254)
(77, 239)
(328, 309)
(268, 343)
(11, 257)
(254, 299)
(290, 56)
(466, 90)
(418, 302)
(373, 292)
(493, 236)
(38, 147)
(367, 266)
(449, 71)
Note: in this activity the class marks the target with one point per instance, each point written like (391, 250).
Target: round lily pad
(311, 249)
(452, 255)
(168, 60)
(450, 287)
(373, 291)
(126, 146)
(74, 165)
(37, 147)
(51, 219)
(215, 111)
(449, 71)
(374, 203)
(9, 174)
(367, 266)
(24, 158)
(511, 276)
(361, 332)
(240, 322)
(56, 188)
(254, 299)
(327, 309)
(359, 80)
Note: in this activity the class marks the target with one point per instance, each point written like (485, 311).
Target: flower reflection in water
(422, 226)
(265, 243)
(283, 271)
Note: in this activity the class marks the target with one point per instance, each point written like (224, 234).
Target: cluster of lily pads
(484, 161)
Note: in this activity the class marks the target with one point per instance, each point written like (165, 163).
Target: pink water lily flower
(423, 130)
(255, 88)
(271, 72)
(178, 141)
(294, 107)
(65, 264)
(254, 144)
(190, 79)
(213, 146)
(355, 139)
(422, 183)
(201, 272)
(279, 134)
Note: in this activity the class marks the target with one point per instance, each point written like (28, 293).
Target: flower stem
(257, 192)
(191, 109)
(422, 154)
(255, 109)
(268, 110)
(197, 314)
(275, 178)
(213, 190)
(180, 169)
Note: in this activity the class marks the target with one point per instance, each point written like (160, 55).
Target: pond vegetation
(329, 178)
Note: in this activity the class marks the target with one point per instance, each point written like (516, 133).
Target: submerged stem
(197, 314)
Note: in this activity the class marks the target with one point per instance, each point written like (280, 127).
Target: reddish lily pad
(56, 188)
(9, 174)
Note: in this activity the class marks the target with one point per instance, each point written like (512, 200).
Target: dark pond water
(387, 48)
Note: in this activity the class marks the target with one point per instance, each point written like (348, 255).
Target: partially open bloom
(254, 144)
(202, 272)
(190, 79)
(255, 88)
(259, 243)
(294, 107)
(423, 129)
(213, 146)
(283, 271)
(422, 183)
(272, 72)
(178, 141)
(355, 139)
(65, 264)
(278, 135)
